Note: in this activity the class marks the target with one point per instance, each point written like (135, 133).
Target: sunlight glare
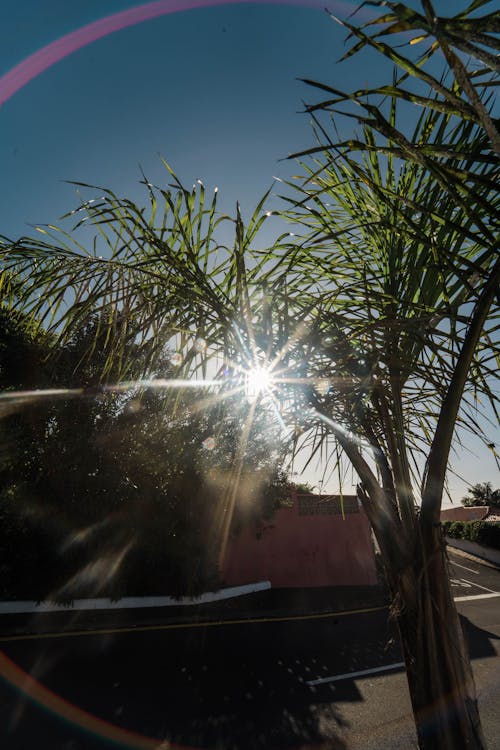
(258, 380)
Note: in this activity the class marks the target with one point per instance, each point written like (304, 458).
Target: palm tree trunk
(438, 667)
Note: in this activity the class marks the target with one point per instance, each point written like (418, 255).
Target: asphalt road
(382, 718)
(329, 682)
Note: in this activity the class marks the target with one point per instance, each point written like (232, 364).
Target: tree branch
(437, 462)
(378, 508)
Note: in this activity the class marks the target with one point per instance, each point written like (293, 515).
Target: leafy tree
(163, 267)
(22, 431)
(165, 278)
(481, 494)
(114, 491)
(304, 487)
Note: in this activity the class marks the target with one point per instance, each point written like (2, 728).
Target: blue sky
(213, 90)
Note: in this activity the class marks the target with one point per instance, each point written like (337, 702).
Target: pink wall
(304, 549)
(476, 513)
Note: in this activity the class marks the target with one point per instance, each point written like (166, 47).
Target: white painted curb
(130, 602)
(486, 553)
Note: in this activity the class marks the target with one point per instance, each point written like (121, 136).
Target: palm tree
(149, 276)
(382, 272)
(400, 257)
(481, 494)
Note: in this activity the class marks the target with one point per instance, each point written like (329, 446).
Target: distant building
(461, 513)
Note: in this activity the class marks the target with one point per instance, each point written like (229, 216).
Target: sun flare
(258, 380)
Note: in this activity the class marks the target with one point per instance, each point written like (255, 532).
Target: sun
(258, 381)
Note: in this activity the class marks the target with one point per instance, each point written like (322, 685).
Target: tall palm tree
(401, 236)
(397, 287)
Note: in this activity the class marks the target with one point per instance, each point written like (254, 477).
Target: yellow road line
(185, 625)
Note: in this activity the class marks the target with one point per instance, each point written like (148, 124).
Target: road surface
(333, 681)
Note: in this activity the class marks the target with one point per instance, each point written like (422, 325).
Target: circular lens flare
(176, 359)
(209, 443)
(200, 346)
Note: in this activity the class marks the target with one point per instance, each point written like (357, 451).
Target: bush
(472, 531)
(456, 530)
(486, 533)
(489, 534)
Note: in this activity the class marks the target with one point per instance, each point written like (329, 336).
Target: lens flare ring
(43, 59)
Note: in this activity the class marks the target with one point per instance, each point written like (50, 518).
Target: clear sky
(213, 89)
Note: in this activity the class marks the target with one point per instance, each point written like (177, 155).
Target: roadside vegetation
(486, 533)
(118, 492)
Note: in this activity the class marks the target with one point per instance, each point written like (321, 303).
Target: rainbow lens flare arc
(44, 58)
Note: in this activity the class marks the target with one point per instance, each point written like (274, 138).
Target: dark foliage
(116, 493)
(486, 533)
(482, 494)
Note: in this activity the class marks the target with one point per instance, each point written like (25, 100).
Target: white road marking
(477, 596)
(478, 586)
(460, 582)
(465, 568)
(469, 584)
(362, 673)
(397, 665)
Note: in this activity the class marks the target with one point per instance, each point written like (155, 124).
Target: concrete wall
(476, 513)
(309, 544)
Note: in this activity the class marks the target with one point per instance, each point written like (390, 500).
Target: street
(331, 681)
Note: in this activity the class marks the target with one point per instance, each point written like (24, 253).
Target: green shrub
(456, 530)
(471, 530)
(489, 534)
(486, 533)
(446, 527)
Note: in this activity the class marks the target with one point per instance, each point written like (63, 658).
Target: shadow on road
(219, 688)
(478, 640)
(244, 687)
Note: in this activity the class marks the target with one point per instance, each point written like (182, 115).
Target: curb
(262, 605)
(139, 602)
(477, 551)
